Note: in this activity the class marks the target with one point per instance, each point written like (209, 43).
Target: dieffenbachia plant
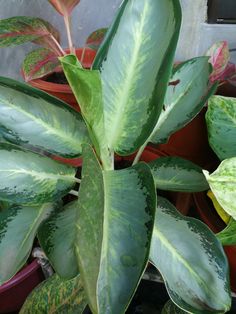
(18, 30)
(104, 239)
(221, 123)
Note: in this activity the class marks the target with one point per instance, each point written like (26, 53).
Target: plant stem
(68, 31)
(75, 193)
(82, 56)
(59, 49)
(139, 153)
(77, 180)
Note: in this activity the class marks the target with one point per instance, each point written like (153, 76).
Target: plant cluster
(100, 244)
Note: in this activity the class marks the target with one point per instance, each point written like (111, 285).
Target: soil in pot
(56, 84)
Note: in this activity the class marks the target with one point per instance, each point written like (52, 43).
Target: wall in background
(196, 35)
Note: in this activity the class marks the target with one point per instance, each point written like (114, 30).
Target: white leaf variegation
(223, 184)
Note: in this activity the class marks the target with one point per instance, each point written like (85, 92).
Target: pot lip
(61, 88)
(23, 274)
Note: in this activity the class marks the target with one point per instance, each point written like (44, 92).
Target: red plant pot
(14, 292)
(63, 91)
(209, 216)
(226, 89)
(191, 142)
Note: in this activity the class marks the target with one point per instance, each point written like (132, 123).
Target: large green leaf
(136, 71)
(18, 227)
(191, 261)
(114, 228)
(27, 177)
(223, 185)
(177, 174)
(221, 124)
(228, 235)
(56, 296)
(102, 51)
(57, 237)
(38, 63)
(29, 116)
(185, 97)
(87, 88)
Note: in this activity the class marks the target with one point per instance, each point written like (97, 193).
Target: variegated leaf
(95, 39)
(228, 235)
(56, 296)
(87, 88)
(21, 29)
(114, 225)
(103, 49)
(221, 125)
(30, 178)
(136, 71)
(191, 260)
(186, 95)
(223, 184)
(64, 7)
(18, 227)
(177, 174)
(31, 117)
(38, 63)
(57, 237)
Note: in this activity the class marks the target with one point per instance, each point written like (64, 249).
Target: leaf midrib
(183, 261)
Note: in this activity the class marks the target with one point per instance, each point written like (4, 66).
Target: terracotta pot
(226, 89)
(191, 142)
(209, 216)
(63, 91)
(14, 292)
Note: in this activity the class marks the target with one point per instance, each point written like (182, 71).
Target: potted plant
(99, 244)
(41, 67)
(221, 128)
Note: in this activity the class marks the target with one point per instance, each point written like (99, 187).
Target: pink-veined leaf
(21, 29)
(219, 58)
(38, 63)
(95, 38)
(64, 7)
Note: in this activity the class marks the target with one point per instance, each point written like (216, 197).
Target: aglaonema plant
(99, 244)
(18, 30)
(221, 125)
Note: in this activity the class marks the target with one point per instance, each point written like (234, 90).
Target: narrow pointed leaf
(191, 261)
(95, 39)
(177, 174)
(221, 124)
(18, 227)
(57, 237)
(56, 296)
(27, 177)
(223, 185)
(30, 116)
(87, 88)
(21, 29)
(103, 49)
(114, 227)
(64, 7)
(136, 71)
(38, 63)
(186, 95)
(228, 235)
(171, 308)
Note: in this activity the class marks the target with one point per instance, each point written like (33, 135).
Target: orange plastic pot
(14, 292)
(63, 91)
